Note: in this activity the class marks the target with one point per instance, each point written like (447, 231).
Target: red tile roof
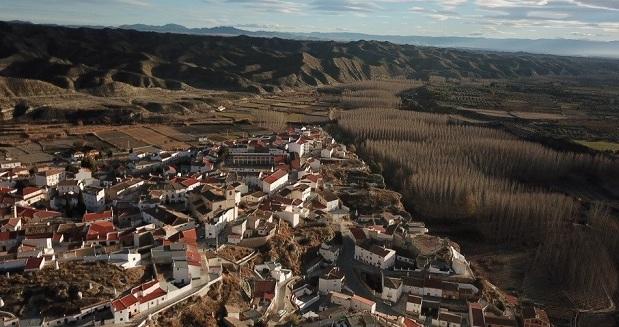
(153, 295)
(144, 287)
(34, 263)
(98, 230)
(275, 176)
(29, 190)
(94, 216)
(411, 323)
(190, 181)
(358, 234)
(124, 302)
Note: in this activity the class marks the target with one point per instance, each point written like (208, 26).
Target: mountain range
(88, 59)
(565, 47)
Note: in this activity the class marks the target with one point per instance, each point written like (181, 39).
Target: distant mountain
(88, 59)
(564, 47)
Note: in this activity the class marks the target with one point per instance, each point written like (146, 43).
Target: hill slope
(84, 58)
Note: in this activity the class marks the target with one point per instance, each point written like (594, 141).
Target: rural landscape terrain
(507, 162)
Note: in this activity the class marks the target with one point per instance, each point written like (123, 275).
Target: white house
(50, 177)
(413, 304)
(31, 195)
(237, 231)
(69, 186)
(140, 299)
(447, 319)
(329, 200)
(301, 192)
(375, 255)
(297, 146)
(275, 269)
(274, 181)
(184, 271)
(290, 215)
(392, 289)
(331, 281)
(83, 174)
(353, 302)
(214, 226)
(304, 296)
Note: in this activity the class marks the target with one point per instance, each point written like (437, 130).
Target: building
(90, 217)
(413, 304)
(297, 146)
(69, 186)
(331, 281)
(476, 315)
(329, 252)
(494, 321)
(49, 178)
(375, 255)
(254, 159)
(274, 181)
(392, 289)
(94, 198)
(9, 164)
(448, 319)
(31, 195)
(237, 231)
(329, 200)
(352, 302)
(140, 299)
(183, 271)
(534, 317)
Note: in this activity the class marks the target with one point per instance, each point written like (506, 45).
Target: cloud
(141, 3)
(436, 14)
(599, 4)
(344, 6)
(547, 14)
(281, 6)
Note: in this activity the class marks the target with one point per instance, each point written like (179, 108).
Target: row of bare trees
(376, 93)
(451, 171)
(272, 120)
(579, 262)
(502, 184)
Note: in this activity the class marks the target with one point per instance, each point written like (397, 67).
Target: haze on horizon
(531, 19)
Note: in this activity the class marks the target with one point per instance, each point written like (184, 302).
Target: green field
(600, 145)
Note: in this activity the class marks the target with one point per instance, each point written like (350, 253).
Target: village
(188, 218)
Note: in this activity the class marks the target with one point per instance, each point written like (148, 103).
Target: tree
(90, 163)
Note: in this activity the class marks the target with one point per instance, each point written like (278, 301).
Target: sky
(533, 19)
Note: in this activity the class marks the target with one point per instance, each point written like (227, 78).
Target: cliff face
(86, 59)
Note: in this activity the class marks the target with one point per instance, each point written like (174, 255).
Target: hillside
(85, 58)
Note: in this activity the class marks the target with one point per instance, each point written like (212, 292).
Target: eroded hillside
(96, 60)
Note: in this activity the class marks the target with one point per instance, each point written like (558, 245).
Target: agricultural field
(172, 132)
(150, 136)
(298, 106)
(120, 140)
(600, 145)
